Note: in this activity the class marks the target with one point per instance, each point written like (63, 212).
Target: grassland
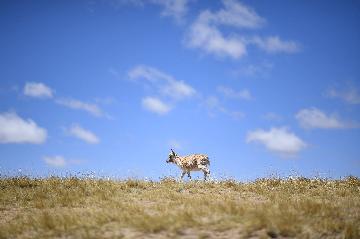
(98, 208)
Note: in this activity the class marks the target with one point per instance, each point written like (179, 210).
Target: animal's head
(172, 156)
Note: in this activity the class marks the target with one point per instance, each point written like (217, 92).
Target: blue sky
(110, 86)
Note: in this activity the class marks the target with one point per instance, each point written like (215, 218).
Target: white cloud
(166, 84)
(274, 44)
(79, 105)
(231, 93)
(55, 161)
(59, 161)
(14, 129)
(237, 14)
(38, 90)
(278, 140)
(350, 94)
(83, 134)
(177, 89)
(312, 118)
(148, 73)
(155, 105)
(173, 8)
(209, 38)
(205, 32)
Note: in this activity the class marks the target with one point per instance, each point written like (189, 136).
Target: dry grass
(96, 208)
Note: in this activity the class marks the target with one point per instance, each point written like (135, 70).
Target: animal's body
(193, 162)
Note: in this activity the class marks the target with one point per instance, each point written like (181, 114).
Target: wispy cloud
(313, 118)
(55, 161)
(205, 32)
(349, 94)
(272, 116)
(261, 69)
(237, 115)
(213, 104)
(237, 14)
(93, 109)
(177, 89)
(148, 73)
(166, 84)
(38, 90)
(155, 105)
(176, 9)
(274, 44)
(209, 38)
(278, 140)
(231, 93)
(173, 8)
(105, 100)
(58, 161)
(83, 134)
(14, 129)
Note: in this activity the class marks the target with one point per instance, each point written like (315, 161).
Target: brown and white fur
(193, 162)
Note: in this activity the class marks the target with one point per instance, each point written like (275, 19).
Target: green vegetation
(98, 208)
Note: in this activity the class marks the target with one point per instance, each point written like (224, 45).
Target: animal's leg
(188, 173)
(205, 170)
(182, 175)
(206, 174)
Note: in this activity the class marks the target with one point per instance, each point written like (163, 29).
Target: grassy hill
(97, 208)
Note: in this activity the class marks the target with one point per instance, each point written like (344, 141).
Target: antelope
(193, 162)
